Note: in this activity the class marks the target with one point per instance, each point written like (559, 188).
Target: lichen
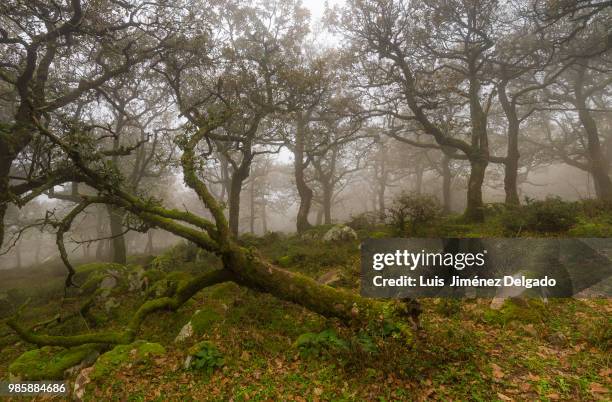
(50, 362)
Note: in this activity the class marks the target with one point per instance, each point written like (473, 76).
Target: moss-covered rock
(521, 310)
(204, 319)
(138, 351)
(51, 363)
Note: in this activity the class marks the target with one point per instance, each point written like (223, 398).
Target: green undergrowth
(250, 345)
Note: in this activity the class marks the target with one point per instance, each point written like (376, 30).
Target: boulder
(80, 383)
(340, 233)
(51, 363)
(112, 360)
(185, 332)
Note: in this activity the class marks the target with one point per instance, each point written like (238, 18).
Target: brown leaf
(497, 371)
(504, 397)
(597, 388)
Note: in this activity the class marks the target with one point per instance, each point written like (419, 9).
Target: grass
(554, 351)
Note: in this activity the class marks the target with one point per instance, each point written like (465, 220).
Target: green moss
(284, 261)
(591, 229)
(224, 291)
(98, 266)
(154, 275)
(524, 310)
(203, 319)
(50, 363)
(178, 276)
(135, 352)
(378, 235)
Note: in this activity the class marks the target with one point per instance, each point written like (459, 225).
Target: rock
(51, 363)
(80, 383)
(136, 279)
(329, 277)
(86, 362)
(310, 235)
(112, 360)
(187, 362)
(109, 282)
(184, 333)
(340, 233)
(110, 304)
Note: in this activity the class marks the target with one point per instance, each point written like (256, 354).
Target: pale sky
(316, 7)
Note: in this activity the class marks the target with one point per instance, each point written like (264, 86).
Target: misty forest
(184, 186)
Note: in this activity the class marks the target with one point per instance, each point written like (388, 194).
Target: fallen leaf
(532, 377)
(497, 371)
(504, 397)
(597, 388)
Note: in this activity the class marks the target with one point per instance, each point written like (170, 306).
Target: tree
(426, 56)
(212, 234)
(39, 48)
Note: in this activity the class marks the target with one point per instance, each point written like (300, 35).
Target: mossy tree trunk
(240, 265)
(117, 240)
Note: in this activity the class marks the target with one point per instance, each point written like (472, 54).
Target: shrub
(206, 357)
(363, 221)
(592, 207)
(175, 256)
(549, 215)
(314, 344)
(410, 212)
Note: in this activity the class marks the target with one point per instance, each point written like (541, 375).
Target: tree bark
(599, 165)
(418, 186)
(511, 164)
(252, 206)
(117, 241)
(238, 177)
(5, 168)
(474, 211)
(327, 203)
(254, 272)
(319, 218)
(446, 185)
(264, 217)
(149, 247)
(304, 191)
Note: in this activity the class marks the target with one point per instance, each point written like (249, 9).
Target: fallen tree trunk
(253, 271)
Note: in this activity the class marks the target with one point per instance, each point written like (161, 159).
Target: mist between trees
(128, 125)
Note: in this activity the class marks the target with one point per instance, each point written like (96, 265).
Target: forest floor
(275, 350)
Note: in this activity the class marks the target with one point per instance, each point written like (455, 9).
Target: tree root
(250, 270)
(128, 335)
